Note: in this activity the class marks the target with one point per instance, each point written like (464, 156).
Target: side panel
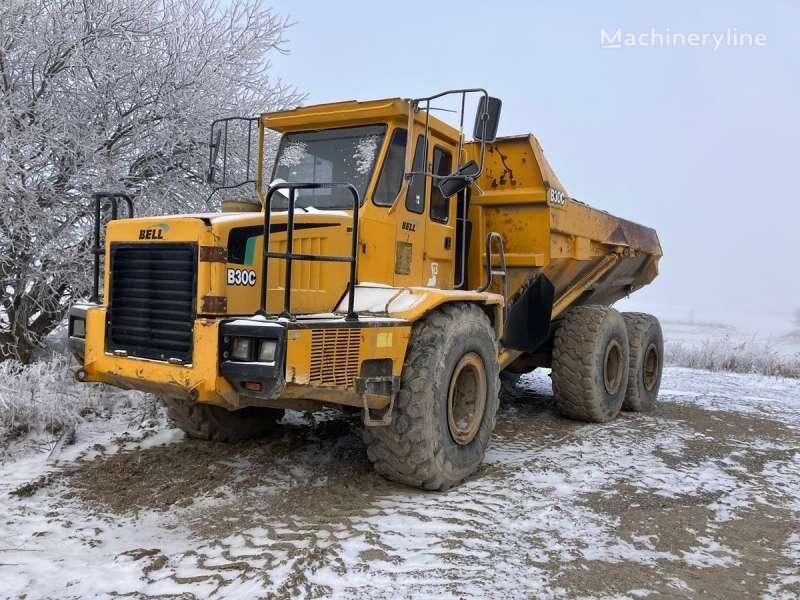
(514, 204)
(316, 286)
(376, 251)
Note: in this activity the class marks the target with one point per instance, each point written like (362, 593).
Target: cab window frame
(390, 142)
(420, 145)
(435, 188)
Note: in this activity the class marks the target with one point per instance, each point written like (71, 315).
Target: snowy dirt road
(700, 498)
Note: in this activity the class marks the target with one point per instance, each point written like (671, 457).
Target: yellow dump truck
(383, 263)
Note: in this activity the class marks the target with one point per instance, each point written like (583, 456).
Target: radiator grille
(334, 356)
(152, 300)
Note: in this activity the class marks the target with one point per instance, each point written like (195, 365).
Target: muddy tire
(214, 423)
(590, 364)
(646, 361)
(444, 413)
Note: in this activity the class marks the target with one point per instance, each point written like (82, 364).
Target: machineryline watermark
(731, 37)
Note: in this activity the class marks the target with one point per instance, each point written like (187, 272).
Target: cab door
(440, 232)
(410, 268)
(425, 222)
(425, 247)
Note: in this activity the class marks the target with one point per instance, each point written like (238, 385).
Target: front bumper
(311, 356)
(198, 380)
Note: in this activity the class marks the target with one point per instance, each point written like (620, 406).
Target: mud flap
(528, 324)
(382, 421)
(378, 387)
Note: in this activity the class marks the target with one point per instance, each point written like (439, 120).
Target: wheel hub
(466, 398)
(650, 368)
(613, 367)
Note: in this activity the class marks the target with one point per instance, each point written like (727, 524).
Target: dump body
(589, 255)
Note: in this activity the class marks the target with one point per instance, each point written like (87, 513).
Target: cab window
(442, 165)
(344, 154)
(415, 196)
(391, 177)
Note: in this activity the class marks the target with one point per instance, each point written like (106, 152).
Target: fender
(413, 303)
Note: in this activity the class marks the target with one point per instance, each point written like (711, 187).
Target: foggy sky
(701, 145)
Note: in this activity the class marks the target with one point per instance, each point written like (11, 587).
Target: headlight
(266, 351)
(78, 328)
(240, 348)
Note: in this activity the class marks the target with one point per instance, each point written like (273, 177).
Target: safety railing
(493, 270)
(290, 256)
(98, 248)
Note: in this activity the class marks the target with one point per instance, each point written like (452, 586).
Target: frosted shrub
(43, 397)
(727, 354)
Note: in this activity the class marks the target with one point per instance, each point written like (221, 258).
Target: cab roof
(350, 113)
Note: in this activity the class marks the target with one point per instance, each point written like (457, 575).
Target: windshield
(344, 155)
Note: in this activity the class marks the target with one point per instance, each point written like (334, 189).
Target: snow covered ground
(699, 498)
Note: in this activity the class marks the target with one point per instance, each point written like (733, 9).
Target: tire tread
(408, 450)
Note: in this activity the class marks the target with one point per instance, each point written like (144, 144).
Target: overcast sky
(701, 144)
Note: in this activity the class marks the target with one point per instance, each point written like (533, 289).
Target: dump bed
(589, 255)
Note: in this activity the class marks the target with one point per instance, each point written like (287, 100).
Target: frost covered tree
(111, 95)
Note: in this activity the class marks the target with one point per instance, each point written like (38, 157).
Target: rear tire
(214, 423)
(590, 364)
(646, 362)
(444, 413)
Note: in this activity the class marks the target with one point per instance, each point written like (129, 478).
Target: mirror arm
(409, 158)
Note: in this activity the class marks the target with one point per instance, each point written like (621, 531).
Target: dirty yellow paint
(588, 255)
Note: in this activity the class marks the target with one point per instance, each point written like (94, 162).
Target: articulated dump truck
(384, 263)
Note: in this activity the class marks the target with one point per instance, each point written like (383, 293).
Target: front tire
(444, 413)
(214, 423)
(590, 364)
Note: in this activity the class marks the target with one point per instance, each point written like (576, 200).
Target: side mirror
(487, 119)
(450, 185)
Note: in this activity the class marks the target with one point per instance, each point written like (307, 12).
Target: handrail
(97, 250)
(464, 220)
(491, 271)
(415, 106)
(290, 256)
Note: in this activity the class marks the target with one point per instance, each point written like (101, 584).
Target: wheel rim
(650, 368)
(466, 398)
(613, 367)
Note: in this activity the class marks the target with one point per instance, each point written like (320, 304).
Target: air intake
(334, 356)
(152, 300)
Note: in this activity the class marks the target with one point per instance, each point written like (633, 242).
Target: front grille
(334, 356)
(152, 300)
